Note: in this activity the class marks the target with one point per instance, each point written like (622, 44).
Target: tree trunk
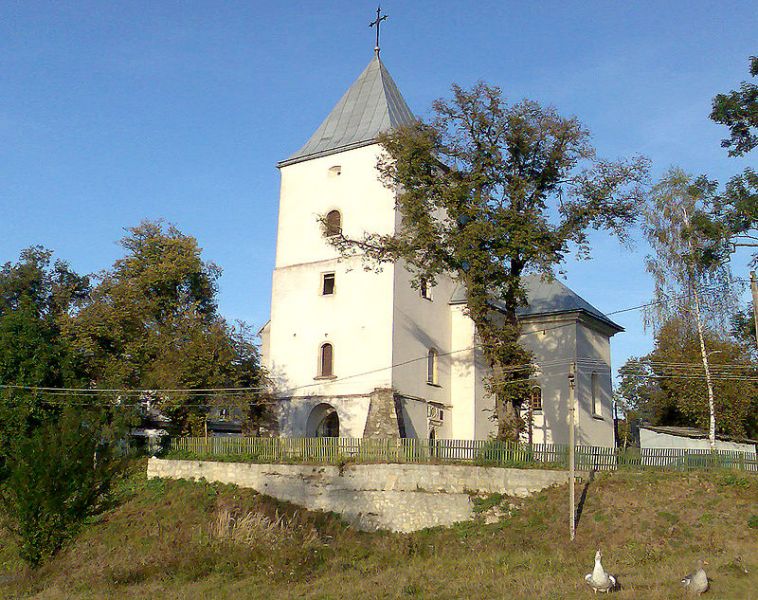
(706, 367)
(703, 352)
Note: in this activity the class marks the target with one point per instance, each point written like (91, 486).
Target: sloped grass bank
(175, 539)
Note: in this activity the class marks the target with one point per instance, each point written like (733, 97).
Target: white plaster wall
(309, 190)
(463, 375)
(352, 411)
(357, 319)
(265, 336)
(415, 417)
(418, 325)
(594, 345)
(654, 439)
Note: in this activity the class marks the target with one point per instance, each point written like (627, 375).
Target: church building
(361, 353)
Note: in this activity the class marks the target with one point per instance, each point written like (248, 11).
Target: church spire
(371, 105)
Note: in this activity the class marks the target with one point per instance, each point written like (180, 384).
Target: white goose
(697, 581)
(599, 580)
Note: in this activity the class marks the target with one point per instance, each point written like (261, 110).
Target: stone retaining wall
(399, 497)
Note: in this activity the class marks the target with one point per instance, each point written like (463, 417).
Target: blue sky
(111, 113)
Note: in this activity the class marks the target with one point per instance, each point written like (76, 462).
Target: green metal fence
(480, 452)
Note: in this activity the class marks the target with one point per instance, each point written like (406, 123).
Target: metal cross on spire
(379, 18)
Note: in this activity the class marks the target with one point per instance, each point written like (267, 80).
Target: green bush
(57, 477)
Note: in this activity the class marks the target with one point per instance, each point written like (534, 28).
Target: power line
(231, 392)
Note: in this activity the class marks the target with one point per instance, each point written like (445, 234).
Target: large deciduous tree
(151, 322)
(489, 191)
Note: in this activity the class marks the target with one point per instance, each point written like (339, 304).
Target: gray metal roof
(693, 433)
(372, 104)
(545, 298)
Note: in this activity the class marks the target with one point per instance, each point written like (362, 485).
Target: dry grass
(192, 540)
(254, 529)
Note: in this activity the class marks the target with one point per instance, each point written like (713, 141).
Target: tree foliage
(58, 476)
(667, 386)
(727, 217)
(685, 261)
(738, 110)
(730, 217)
(152, 322)
(743, 328)
(149, 322)
(36, 296)
(489, 191)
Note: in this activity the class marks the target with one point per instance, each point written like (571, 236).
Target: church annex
(356, 353)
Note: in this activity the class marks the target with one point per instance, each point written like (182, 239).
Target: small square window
(327, 284)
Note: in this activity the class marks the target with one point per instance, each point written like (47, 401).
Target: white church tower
(360, 353)
(343, 344)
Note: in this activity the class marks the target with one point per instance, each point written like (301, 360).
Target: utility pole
(754, 289)
(572, 474)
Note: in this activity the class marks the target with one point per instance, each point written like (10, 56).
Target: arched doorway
(323, 422)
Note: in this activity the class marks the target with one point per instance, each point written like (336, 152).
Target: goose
(697, 581)
(599, 580)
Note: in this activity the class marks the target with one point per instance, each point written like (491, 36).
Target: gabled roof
(546, 298)
(372, 104)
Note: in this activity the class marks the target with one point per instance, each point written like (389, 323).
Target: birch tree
(690, 282)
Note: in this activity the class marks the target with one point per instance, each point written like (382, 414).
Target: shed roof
(371, 105)
(693, 433)
(546, 297)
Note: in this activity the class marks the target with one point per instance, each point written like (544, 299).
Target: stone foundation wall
(398, 497)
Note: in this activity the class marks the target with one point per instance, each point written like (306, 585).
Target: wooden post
(572, 442)
(754, 290)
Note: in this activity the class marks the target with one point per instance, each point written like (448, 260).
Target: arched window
(333, 223)
(595, 391)
(535, 398)
(326, 361)
(425, 289)
(431, 366)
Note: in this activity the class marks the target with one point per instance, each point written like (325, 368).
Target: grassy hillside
(172, 539)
